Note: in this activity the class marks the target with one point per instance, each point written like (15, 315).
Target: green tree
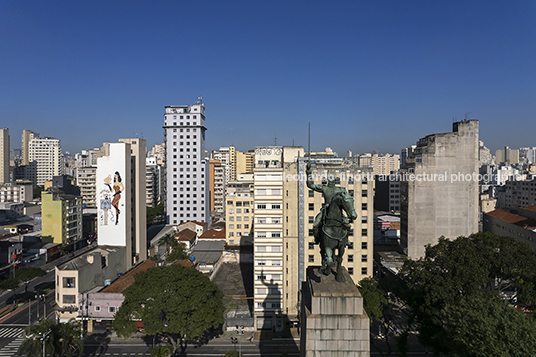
(178, 303)
(174, 250)
(59, 339)
(455, 294)
(153, 212)
(374, 298)
(29, 273)
(37, 191)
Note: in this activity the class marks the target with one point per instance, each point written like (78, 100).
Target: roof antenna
(275, 140)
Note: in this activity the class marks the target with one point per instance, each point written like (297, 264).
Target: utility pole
(30, 312)
(240, 332)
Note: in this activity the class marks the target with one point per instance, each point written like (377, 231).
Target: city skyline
(366, 75)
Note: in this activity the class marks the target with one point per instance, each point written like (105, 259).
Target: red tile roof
(513, 218)
(530, 208)
(128, 278)
(185, 263)
(213, 234)
(185, 235)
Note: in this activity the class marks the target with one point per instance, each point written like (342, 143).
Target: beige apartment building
(285, 210)
(385, 164)
(239, 212)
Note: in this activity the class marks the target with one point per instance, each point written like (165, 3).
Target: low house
(188, 237)
(85, 273)
(100, 306)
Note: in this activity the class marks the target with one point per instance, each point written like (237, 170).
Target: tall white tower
(187, 192)
(46, 154)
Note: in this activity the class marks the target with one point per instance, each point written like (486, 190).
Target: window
(261, 248)
(364, 258)
(350, 258)
(364, 193)
(350, 245)
(310, 232)
(111, 308)
(274, 206)
(259, 206)
(364, 271)
(97, 308)
(311, 206)
(364, 219)
(311, 193)
(261, 277)
(69, 283)
(311, 258)
(351, 271)
(364, 245)
(364, 232)
(69, 299)
(363, 206)
(276, 248)
(311, 219)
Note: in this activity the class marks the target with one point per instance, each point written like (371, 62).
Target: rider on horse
(328, 191)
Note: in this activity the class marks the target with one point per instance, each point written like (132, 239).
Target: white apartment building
(86, 179)
(268, 237)
(187, 190)
(17, 192)
(46, 154)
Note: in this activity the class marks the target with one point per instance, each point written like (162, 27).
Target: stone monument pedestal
(333, 321)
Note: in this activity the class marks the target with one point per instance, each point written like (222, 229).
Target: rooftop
(82, 260)
(213, 234)
(514, 218)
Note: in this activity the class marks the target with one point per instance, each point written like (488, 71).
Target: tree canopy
(59, 338)
(178, 303)
(174, 250)
(457, 296)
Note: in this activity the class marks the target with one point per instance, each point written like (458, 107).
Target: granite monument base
(333, 321)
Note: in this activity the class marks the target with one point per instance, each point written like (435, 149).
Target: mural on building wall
(110, 199)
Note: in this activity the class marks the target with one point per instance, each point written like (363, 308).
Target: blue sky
(368, 75)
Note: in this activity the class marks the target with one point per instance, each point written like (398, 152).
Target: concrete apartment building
(387, 193)
(86, 179)
(121, 209)
(239, 212)
(17, 192)
(61, 216)
(285, 210)
(187, 190)
(385, 164)
(439, 195)
(4, 156)
(520, 193)
(217, 188)
(45, 159)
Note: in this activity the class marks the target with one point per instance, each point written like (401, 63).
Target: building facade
(4, 156)
(187, 191)
(21, 191)
(86, 179)
(217, 187)
(520, 193)
(45, 153)
(439, 194)
(121, 210)
(239, 213)
(285, 210)
(61, 216)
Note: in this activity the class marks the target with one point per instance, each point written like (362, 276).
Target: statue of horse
(334, 232)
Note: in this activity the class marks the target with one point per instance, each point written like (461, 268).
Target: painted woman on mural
(117, 188)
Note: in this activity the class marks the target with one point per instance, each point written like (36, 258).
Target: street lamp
(240, 332)
(234, 341)
(37, 298)
(43, 339)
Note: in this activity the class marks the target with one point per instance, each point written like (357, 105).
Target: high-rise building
(86, 179)
(121, 210)
(385, 164)
(187, 191)
(45, 154)
(27, 135)
(285, 211)
(439, 195)
(217, 188)
(61, 208)
(239, 211)
(4, 156)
